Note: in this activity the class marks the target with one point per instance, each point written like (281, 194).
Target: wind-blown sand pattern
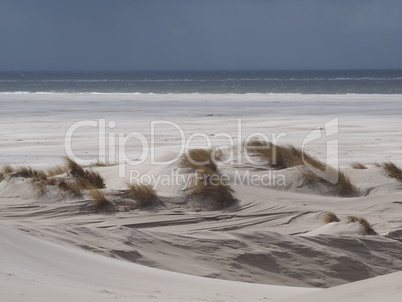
(269, 245)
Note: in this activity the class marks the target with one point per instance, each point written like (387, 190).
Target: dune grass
(28, 172)
(358, 165)
(22, 171)
(6, 169)
(56, 170)
(87, 179)
(71, 187)
(144, 195)
(99, 199)
(368, 228)
(329, 217)
(282, 157)
(208, 184)
(38, 178)
(83, 179)
(196, 158)
(392, 170)
(344, 186)
(310, 178)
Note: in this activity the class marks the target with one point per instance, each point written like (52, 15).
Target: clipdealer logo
(113, 146)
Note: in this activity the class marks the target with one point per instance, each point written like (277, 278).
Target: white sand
(53, 249)
(32, 126)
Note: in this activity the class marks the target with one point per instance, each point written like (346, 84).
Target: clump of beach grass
(392, 170)
(22, 171)
(310, 178)
(38, 178)
(87, 179)
(144, 195)
(71, 187)
(99, 200)
(200, 158)
(357, 165)
(329, 217)
(282, 157)
(28, 172)
(82, 179)
(344, 185)
(210, 186)
(367, 227)
(208, 183)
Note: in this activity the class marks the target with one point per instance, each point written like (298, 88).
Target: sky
(138, 35)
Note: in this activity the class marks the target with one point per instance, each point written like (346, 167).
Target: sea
(198, 82)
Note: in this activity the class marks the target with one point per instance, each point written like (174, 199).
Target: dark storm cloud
(203, 34)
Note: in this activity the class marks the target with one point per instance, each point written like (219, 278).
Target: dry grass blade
(357, 165)
(330, 217)
(144, 195)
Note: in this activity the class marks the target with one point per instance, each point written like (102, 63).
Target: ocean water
(306, 82)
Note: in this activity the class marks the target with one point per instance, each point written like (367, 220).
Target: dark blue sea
(304, 82)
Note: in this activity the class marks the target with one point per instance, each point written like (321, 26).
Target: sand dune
(383, 288)
(56, 246)
(33, 269)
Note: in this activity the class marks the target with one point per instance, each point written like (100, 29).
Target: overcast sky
(200, 34)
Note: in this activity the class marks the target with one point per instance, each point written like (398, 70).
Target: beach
(270, 244)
